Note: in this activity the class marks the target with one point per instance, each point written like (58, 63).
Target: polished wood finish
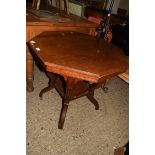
(76, 64)
(35, 26)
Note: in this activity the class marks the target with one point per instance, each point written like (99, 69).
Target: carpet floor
(86, 131)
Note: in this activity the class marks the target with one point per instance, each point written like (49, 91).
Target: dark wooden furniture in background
(118, 18)
(76, 64)
(124, 150)
(36, 25)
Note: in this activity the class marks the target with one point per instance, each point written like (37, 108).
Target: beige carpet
(86, 131)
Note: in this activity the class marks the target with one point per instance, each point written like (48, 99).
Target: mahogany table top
(78, 55)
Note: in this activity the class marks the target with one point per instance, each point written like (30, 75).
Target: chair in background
(66, 5)
(36, 4)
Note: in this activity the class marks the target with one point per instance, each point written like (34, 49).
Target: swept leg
(93, 100)
(90, 95)
(70, 83)
(52, 79)
(63, 115)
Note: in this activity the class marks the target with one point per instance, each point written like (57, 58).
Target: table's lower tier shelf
(70, 89)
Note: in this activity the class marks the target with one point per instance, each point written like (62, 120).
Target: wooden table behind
(35, 26)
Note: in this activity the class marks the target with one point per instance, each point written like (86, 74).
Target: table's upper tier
(78, 55)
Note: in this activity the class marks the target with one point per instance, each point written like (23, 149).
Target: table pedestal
(70, 89)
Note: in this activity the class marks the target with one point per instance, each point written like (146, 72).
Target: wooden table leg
(70, 89)
(29, 70)
(64, 108)
(52, 79)
(90, 95)
(70, 83)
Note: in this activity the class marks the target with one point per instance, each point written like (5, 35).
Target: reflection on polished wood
(35, 26)
(76, 64)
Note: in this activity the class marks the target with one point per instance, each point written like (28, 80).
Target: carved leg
(90, 95)
(52, 79)
(63, 114)
(65, 102)
(29, 70)
(93, 100)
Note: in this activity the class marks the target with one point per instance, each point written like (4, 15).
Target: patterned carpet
(86, 131)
